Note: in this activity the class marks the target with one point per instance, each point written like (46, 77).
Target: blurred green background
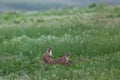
(35, 5)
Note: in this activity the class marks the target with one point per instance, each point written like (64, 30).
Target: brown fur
(63, 60)
(47, 57)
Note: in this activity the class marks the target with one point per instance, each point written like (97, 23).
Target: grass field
(92, 34)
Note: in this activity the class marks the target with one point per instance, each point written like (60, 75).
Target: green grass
(88, 33)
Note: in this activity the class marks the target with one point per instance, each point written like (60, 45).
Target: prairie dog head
(67, 55)
(49, 50)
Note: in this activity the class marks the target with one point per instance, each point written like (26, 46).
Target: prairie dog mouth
(67, 58)
(50, 53)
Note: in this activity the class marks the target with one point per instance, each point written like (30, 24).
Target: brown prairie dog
(63, 60)
(47, 56)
